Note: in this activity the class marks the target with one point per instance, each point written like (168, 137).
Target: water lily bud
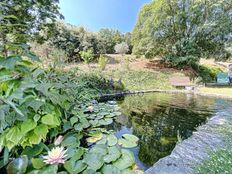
(58, 140)
(90, 108)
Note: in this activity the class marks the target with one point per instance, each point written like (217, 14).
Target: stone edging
(194, 149)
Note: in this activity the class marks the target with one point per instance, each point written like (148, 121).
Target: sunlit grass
(224, 91)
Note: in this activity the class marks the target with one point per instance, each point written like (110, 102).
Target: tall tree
(182, 29)
(24, 19)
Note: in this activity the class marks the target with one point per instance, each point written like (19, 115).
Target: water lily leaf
(105, 121)
(37, 163)
(73, 120)
(112, 140)
(33, 151)
(101, 149)
(50, 169)
(78, 127)
(113, 154)
(126, 160)
(41, 130)
(74, 167)
(18, 165)
(94, 160)
(84, 122)
(130, 137)
(89, 171)
(95, 138)
(128, 141)
(110, 169)
(69, 141)
(102, 141)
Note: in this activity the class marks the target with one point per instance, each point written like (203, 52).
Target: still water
(162, 120)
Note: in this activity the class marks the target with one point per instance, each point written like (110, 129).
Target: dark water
(163, 120)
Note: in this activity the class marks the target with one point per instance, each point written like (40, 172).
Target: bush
(87, 56)
(121, 48)
(181, 62)
(208, 73)
(102, 62)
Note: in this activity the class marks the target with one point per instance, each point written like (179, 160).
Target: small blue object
(223, 78)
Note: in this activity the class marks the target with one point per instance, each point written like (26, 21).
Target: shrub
(208, 73)
(87, 56)
(181, 62)
(102, 62)
(121, 48)
(127, 63)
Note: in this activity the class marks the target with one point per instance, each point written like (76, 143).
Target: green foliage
(219, 162)
(37, 106)
(87, 56)
(18, 19)
(102, 62)
(208, 73)
(183, 30)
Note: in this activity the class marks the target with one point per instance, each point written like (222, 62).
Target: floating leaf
(94, 160)
(128, 171)
(89, 171)
(113, 154)
(112, 140)
(18, 165)
(110, 169)
(74, 167)
(73, 120)
(101, 149)
(126, 160)
(37, 163)
(95, 138)
(128, 141)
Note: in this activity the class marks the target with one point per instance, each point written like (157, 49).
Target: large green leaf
(128, 141)
(50, 120)
(126, 160)
(100, 148)
(113, 154)
(74, 167)
(27, 126)
(18, 165)
(112, 140)
(37, 163)
(94, 160)
(110, 169)
(33, 151)
(9, 62)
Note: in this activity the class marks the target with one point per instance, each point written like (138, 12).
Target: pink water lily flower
(55, 156)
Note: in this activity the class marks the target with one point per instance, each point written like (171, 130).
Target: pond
(163, 120)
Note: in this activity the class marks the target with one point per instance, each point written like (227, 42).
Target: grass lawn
(225, 91)
(139, 79)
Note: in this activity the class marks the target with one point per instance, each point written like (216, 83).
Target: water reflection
(160, 121)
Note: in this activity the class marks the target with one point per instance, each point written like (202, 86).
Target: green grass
(225, 91)
(140, 80)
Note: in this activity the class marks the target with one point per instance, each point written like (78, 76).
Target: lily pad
(112, 140)
(105, 121)
(95, 138)
(113, 154)
(101, 149)
(74, 167)
(94, 160)
(110, 169)
(126, 160)
(18, 165)
(128, 141)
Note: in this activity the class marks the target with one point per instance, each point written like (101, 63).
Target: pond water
(162, 120)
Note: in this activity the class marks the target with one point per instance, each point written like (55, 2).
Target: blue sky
(96, 14)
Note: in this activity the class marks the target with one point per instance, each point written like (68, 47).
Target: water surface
(162, 120)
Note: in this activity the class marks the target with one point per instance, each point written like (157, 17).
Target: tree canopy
(183, 29)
